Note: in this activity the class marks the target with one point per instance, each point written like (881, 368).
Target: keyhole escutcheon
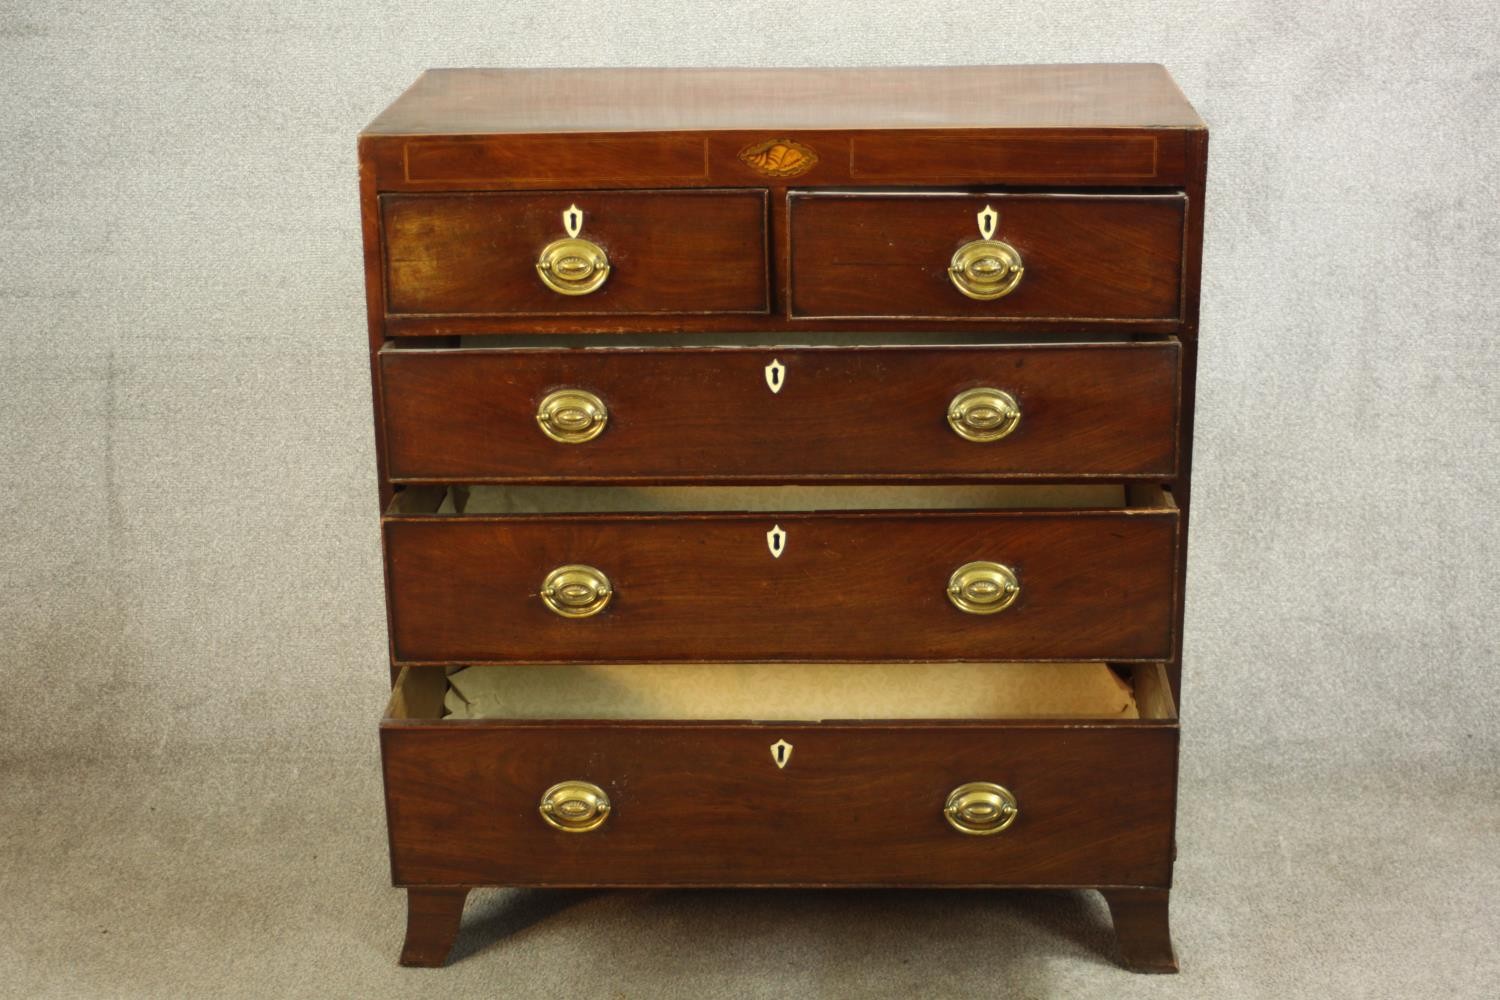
(781, 753)
(776, 541)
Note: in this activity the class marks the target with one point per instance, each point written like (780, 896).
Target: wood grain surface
(1094, 585)
(680, 251)
(857, 804)
(630, 99)
(1087, 257)
(684, 414)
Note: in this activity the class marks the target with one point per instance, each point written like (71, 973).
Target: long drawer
(955, 801)
(836, 574)
(799, 414)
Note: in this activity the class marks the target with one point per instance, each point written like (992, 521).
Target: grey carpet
(190, 598)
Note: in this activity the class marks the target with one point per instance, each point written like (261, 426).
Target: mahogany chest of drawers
(784, 479)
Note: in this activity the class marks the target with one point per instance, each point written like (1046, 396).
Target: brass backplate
(572, 416)
(984, 414)
(983, 588)
(986, 269)
(575, 806)
(573, 266)
(576, 591)
(980, 808)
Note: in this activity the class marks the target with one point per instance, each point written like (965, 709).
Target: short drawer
(631, 252)
(1065, 257)
(962, 799)
(550, 574)
(747, 414)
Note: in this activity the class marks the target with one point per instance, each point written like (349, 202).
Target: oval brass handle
(573, 266)
(980, 808)
(576, 591)
(572, 416)
(983, 588)
(575, 806)
(986, 269)
(984, 414)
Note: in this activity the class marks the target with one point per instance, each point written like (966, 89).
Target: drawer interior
(508, 500)
(784, 692)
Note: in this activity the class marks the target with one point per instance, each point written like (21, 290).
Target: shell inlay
(779, 158)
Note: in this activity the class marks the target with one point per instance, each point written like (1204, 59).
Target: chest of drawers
(784, 479)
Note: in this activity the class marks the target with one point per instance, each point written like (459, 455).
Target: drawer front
(1082, 257)
(762, 414)
(1093, 585)
(666, 251)
(855, 804)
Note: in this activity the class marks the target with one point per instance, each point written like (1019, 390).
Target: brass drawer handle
(572, 416)
(984, 414)
(575, 806)
(980, 808)
(986, 268)
(983, 588)
(576, 591)
(573, 265)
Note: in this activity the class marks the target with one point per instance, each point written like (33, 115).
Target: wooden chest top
(1105, 125)
(1090, 96)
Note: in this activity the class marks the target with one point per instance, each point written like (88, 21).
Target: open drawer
(541, 574)
(1036, 778)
